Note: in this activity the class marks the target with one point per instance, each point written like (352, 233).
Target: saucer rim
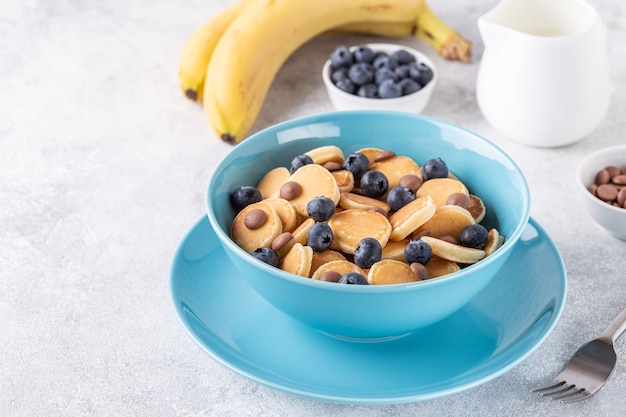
(507, 365)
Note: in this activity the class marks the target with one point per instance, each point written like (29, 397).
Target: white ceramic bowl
(612, 219)
(412, 103)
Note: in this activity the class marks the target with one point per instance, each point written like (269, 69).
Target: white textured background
(103, 166)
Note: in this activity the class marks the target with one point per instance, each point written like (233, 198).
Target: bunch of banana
(230, 62)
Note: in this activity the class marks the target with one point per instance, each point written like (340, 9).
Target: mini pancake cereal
(340, 266)
(298, 260)
(440, 189)
(270, 184)
(447, 220)
(390, 271)
(428, 227)
(321, 258)
(315, 181)
(397, 167)
(350, 226)
(250, 239)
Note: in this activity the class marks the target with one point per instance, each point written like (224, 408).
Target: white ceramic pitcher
(543, 78)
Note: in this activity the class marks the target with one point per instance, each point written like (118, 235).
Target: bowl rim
(386, 47)
(582, 168)
(224, 238)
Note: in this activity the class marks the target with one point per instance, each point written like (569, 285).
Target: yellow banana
(199, 47)
(265, 33)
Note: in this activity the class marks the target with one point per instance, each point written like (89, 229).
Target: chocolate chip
(418, 235)
(378, 210)
(332, 166)
(381, 156)
(448, 238)
(330, 276)
(603, 177)
(412, 182)
(621, 197)
(607, 192)
(613, 171)
(619, 179)
(459, 199)
(281, 240)
(290, 190)
(254, 219)
(419, 270)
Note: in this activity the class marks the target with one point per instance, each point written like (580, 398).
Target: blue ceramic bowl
(362, 311)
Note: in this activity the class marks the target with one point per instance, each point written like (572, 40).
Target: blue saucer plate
(497, 330)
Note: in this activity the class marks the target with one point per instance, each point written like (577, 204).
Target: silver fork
(589, 368)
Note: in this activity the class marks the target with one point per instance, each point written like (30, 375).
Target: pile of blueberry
(371, 74)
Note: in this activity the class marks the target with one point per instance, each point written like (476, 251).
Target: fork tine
(581, 395)
(571, 392)
(550, 385)
(562, 391)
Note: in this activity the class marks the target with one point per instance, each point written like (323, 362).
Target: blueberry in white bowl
(379, 76)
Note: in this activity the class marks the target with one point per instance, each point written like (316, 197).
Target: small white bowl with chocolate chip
(601, 178)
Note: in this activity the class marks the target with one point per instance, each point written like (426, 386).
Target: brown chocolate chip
(418, 235)
(255, 218)
(593, 189)
(281, 240)
(381, 156)
(613, 171)
(412, 182)
(607, 192)
(448, 238)
(332, 166)
(603, 177)
(330, 276)
(459, 199)
(290, 190)
(619, 179)
(378, 210)
(419, 270)
(621, 197)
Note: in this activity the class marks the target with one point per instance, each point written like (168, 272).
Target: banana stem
(445, 40)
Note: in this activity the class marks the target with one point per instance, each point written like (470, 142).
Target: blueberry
(424, 74)
(361, 73)
(383, 74)
(374, 184)
(300, 161)
(409, 86)
(401, 57)
(353, 278)
(401, 71)
(368, 91)
(417, 251)
(320, 208)
(368, 252)
(363, 54)
(473, 236)
(339, 74)
(346, 85)
(357, 164)
(389, 89)
(434, 168)
(382, 60)
(267, 255)
(319, 237)
(244, 196)
(399, 197)
(341, 57)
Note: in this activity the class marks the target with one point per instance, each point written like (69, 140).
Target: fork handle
(616, 328)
